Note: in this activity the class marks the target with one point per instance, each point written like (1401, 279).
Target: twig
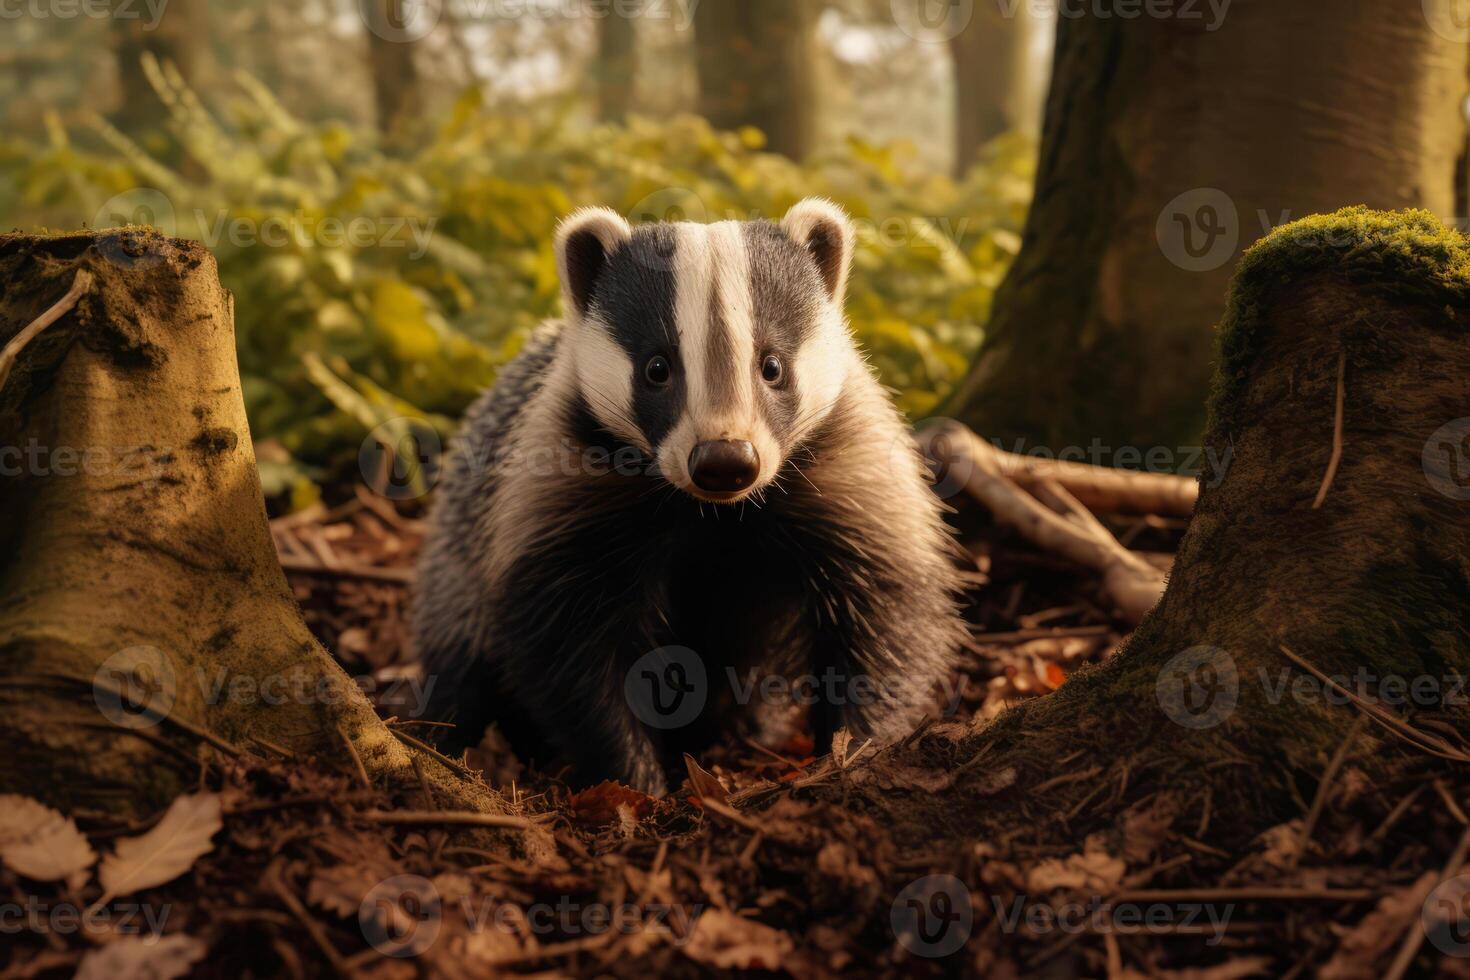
(1249, 894)
(1336, 434)
(304, 566)
(1323, 786)
(277, 883)
(362, 772)
(433, 753)
(1412, 941)
(80, 284)
(1423, 741)
(466, 818)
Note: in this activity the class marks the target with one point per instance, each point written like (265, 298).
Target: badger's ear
(584, 243)
(825, 231)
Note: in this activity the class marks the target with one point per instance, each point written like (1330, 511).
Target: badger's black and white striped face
(713, 348)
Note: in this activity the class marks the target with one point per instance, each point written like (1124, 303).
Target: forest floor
(741, 870)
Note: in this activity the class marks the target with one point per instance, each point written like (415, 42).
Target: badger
(695, 478)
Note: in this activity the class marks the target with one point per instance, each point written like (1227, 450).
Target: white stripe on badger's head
(686, 337)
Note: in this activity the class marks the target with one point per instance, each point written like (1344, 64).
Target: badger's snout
(724, 465)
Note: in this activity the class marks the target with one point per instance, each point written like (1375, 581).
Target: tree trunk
(1203, 702)
(392, 38)
(989, 58)
(616, 71)
(179, 37)
(144, 617)
(1168, 147)
(757, 67)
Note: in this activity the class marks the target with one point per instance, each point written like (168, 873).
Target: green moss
(1407, 256)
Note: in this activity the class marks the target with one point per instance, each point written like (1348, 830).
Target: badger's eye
(771, 370)
(656, 372)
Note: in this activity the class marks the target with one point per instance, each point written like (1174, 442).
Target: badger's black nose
(724, 465)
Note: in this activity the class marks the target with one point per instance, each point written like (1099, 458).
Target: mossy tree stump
(1370, 585)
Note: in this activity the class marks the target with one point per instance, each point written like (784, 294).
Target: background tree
(616, 69)
(179, 38)
(757, 67)
(990, 68)
(1168, 146)
(396, 85)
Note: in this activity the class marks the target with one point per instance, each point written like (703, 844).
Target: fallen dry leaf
(165, 852)
(703, 782)
(137, 959)
(1094, 871)
(1145, 828)
(726, 941)
(598, 805)
(1378, 931)
(40, 843)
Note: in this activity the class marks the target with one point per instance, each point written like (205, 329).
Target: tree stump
(144, 616)
(1338, 542)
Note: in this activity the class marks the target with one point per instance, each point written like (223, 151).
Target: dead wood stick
(79, 285)
(1103, 489)
(1133, 584)
(1336, 457)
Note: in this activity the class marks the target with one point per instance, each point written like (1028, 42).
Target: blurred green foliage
(372, 285)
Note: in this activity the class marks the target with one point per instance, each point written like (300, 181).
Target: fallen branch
(1131, 582)
(1103, 489)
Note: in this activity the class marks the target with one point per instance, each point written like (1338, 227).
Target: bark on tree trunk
(179, 37)
(989, 58)
(617, 66)
(1169, 146)
(144, 617)
(1204, 702)
(391, 43)
(757, 67)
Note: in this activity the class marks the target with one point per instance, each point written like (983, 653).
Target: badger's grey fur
(574, 535)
